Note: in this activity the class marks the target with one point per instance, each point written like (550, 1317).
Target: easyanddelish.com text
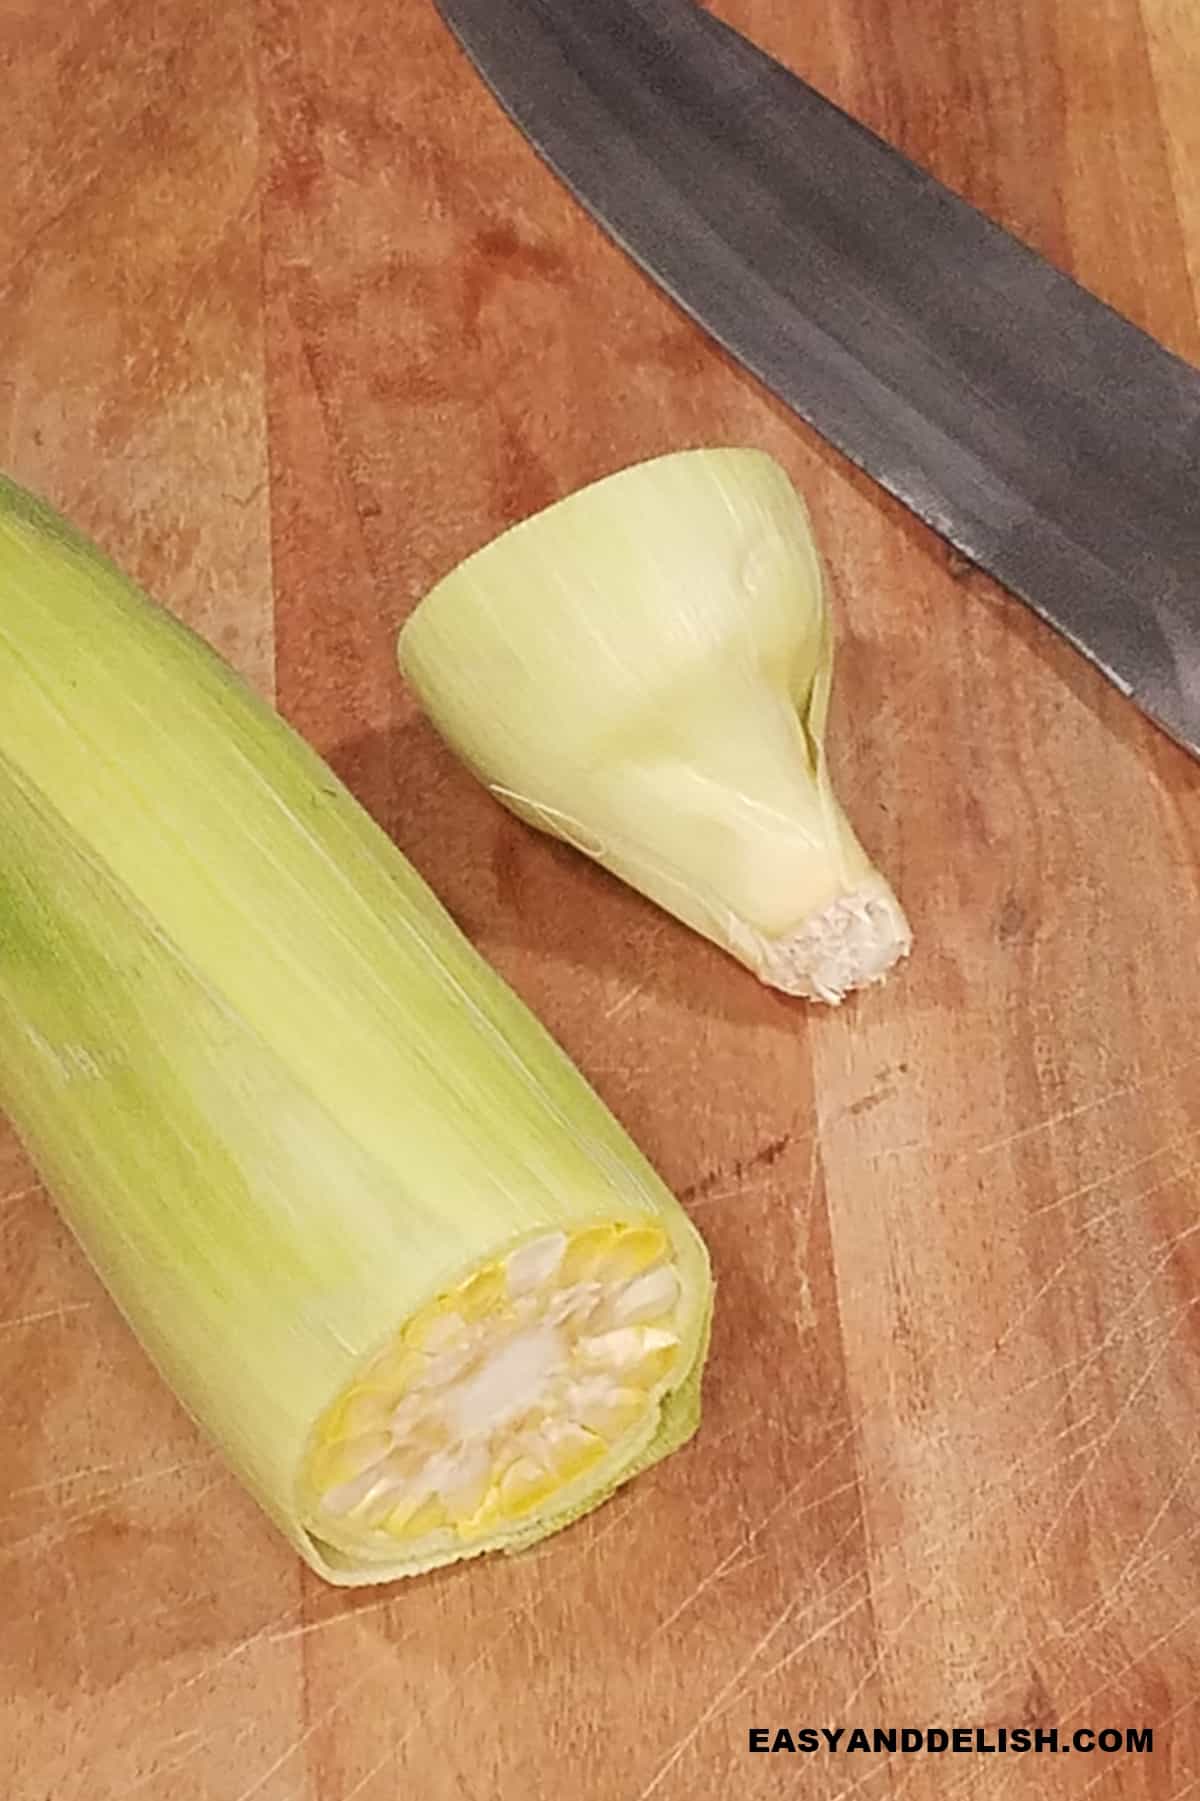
(970, 1740)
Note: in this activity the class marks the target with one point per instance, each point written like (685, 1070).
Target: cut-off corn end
(643, 669)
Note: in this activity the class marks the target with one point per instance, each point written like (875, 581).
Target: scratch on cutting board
(814, 1638)
(376, 1769)
(968, 1521)
(1137, 1200)
(335, 439)
(892, 705)
(733, 1691)
(689, 1738)
(393, 1751)
(700, 1196)
(315, 1726)
(1114, 1425)
(1097, 1449)
(1083, 1629)
(1132, 1563)
(720, 1569)
(43, 1314)
(1101, 1445)
(968, 1781)
(551, 1549)
(1100, 1611)
(860, 1782)
(736, 1193)
(936, 1555)
(345, 1618)
(78, 1628)
(618, 1007)
(497, 1638)
(19, 1194)
(914, 1146)
(1076, 1367)
(91, 1469)
(1113, 1175)
(886, 1644)
(267, 1634)
(1107, 1774)
(48, 1537)
(105, 1469)
(1190, 1785)
(1046, 1439)
(736, 1559)
(1112, 1768)
(203, 1741)
(914, 1774)
(681, 1744)
(1160, 1726)
(1172, 1242)
(198, 1597)
(1062, 1118)
(1084, 1362)
(970, 1516)
(161, 1703)
(1070, 1261)
(1147, 1651)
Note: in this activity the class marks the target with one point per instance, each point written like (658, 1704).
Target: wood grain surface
(291, 320)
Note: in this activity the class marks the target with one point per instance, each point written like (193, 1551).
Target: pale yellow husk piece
(644, 671)
(376, 1230)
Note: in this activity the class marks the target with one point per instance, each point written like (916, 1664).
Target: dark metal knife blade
(1047, 438)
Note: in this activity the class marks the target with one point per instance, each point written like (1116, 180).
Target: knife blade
(1047, 438)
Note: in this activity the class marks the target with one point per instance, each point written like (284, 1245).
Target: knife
(1048, 439)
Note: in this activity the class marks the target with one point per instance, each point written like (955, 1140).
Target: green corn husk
(280, 1100)
(644, 671)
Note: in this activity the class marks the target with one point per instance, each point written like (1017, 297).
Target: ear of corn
(644, 670)
(375, 1229)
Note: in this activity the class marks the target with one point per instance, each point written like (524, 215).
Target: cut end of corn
(503, 1397)
(644, 670)
(850, 944)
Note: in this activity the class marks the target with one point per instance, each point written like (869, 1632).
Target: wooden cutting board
(292, 320)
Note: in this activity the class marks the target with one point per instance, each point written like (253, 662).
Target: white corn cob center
(849, 944)
(501, 1391)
